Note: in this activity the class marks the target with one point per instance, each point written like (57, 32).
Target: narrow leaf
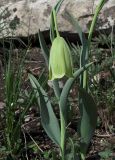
(77, 27)
(67, 88)
(88, 118)
(45, 50)
(48, 118)
(96, 14)
(58, 5)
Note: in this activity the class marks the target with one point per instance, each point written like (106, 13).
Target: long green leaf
(64, 107)
(58, 5)
(67, 88)
(48, 118)
(97, 11)
(77, 27)
(88, 119)
(45, 50)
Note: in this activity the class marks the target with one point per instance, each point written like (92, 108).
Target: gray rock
(26, 17)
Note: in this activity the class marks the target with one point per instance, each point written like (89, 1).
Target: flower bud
(60, 62)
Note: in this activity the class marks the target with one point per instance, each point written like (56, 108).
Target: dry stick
(104, 135)
(34, 141)
(25, 144)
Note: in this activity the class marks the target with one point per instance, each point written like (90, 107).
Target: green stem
(63, 134)
(85, 79)
(82, 157)
(55, 82)
(55, 22)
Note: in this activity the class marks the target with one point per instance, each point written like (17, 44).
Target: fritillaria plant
(59, 62)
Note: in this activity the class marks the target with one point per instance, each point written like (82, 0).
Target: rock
(26, 17)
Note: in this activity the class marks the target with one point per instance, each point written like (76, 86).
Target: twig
(34, 142)
(25, 144)
(104, 135)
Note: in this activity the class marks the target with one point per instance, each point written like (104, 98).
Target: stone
(25, 17)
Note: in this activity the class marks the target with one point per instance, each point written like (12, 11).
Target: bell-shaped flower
(60, 62)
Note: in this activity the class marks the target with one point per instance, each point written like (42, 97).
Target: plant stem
(55, 22)
(63, 131)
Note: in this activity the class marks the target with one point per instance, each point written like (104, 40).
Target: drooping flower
(60, 62)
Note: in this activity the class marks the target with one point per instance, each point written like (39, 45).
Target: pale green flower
(60, 62)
